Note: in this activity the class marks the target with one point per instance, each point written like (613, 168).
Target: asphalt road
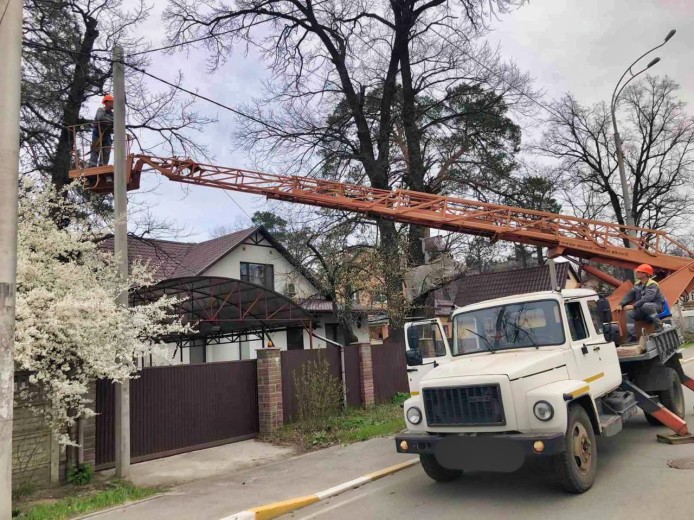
(633, 482)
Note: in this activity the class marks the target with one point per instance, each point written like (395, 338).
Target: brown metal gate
(389, 370)
(181, 408)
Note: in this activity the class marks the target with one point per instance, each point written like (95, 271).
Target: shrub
(318, 393)
(80, 475)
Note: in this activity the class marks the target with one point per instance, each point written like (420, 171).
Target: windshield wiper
(486, 341)
(530, 337)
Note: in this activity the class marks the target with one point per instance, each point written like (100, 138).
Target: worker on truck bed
(102, 134)
(645, 300)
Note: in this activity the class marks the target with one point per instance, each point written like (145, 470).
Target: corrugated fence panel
(353, 375)
(389, 370)
(105, 427)
(182, 408)
(295, 359)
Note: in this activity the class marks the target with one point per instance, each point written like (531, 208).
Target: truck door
(587, 349)
(429, 339)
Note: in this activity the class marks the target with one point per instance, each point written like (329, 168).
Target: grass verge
(114, 493)
(353, 425)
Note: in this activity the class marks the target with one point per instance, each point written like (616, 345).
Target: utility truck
(533, 375)
(537, 374)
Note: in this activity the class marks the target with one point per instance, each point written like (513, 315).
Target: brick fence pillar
(270, 413)
(367, 374)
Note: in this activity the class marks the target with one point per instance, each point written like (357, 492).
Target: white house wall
(230, 267)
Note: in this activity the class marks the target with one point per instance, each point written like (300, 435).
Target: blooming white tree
(69, 329)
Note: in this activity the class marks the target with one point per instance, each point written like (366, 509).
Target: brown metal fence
(293, 360)
(389, 370)
(181, 408)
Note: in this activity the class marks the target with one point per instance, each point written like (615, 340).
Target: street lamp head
(652, 62)
(670, 34)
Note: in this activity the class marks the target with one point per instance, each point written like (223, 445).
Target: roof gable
(171, 259)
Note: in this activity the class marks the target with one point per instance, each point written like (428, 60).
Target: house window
(295, 339)
(259, 274)
(290, 290)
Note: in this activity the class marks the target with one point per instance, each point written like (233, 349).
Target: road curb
(687, 361)
(277, 509)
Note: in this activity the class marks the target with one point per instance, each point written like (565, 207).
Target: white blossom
(69, 329)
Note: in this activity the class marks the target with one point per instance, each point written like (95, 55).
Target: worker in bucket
(102, 134)
(645, 300)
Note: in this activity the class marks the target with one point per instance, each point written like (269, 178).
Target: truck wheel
(576, 467)
(672, 398)
(436, 471)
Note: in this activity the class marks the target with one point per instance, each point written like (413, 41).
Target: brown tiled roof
(474, 288)
(164, 257)
(178, 259)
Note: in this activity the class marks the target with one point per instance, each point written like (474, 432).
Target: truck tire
(672, 398)
(576, 467)
(436, 471)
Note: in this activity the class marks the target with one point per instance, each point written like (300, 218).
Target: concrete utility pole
(10, 84)
(626, 194)
(120, 203)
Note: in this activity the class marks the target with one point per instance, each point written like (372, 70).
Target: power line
(176, 45)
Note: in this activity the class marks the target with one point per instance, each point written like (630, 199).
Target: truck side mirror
(611, 331)
(414, 357)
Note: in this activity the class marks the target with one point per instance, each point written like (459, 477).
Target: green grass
(354, 425)
(117, 492)
(687, 345)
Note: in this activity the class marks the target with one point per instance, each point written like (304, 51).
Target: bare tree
(659, 155)
(67, 51)
(357, 85)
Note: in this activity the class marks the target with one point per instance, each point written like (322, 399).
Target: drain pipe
(342, 364)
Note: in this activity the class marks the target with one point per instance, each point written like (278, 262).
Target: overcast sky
(577, 46)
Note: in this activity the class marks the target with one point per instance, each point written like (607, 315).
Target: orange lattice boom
(597, 241)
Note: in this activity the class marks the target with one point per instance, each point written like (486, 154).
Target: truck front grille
(464, 406)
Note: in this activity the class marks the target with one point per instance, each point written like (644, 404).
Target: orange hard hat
(107, 97)
(645, 268)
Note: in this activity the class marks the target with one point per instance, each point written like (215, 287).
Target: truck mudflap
(500, 453)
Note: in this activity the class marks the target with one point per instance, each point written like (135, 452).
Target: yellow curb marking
(280, 508)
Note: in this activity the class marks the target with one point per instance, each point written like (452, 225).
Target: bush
(318, 393)
(80, 475)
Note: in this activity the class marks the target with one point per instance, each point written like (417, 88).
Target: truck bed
(662, 345)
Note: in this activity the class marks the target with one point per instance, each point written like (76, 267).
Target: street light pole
(626, 194)
(10, 87)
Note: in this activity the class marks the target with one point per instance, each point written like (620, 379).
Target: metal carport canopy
(220, 306)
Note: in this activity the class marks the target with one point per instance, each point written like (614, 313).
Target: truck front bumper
(492, 452)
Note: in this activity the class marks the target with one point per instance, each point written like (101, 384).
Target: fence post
(270, 412)
(367, 375)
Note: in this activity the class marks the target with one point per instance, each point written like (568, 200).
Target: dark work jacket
(103, 122)
(644, 293)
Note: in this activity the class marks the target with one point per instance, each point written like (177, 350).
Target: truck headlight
(414, 415)
(543, 410)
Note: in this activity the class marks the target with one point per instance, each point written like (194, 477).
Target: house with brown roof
(258, 260)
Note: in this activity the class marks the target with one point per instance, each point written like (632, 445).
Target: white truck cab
(525, 375)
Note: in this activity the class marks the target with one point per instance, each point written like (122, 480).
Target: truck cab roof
(538, 295)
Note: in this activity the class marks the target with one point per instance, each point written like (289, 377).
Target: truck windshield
(517, 325)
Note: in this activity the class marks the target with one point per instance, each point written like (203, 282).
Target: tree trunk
(71, 114)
